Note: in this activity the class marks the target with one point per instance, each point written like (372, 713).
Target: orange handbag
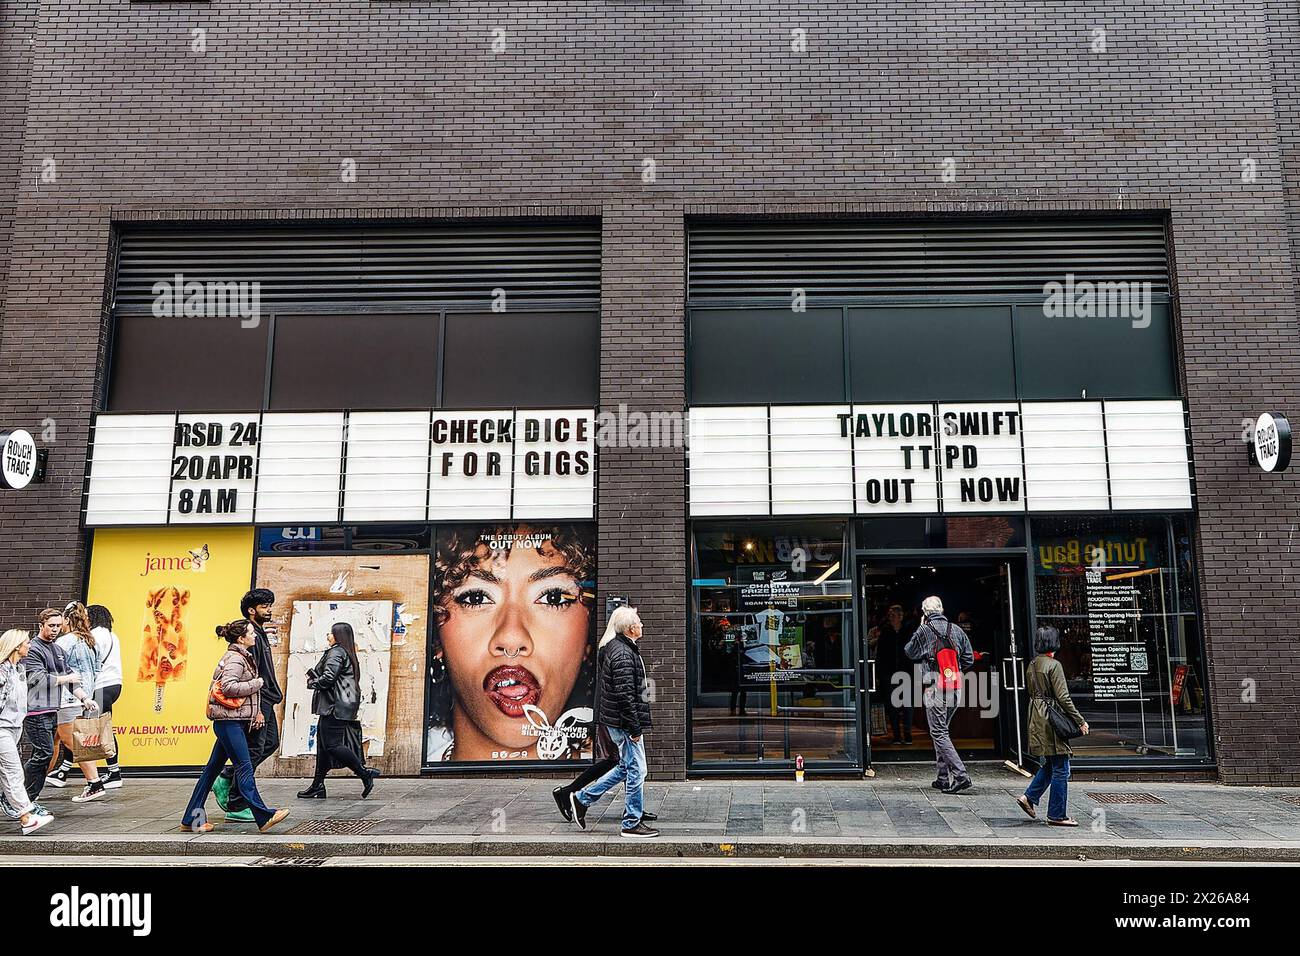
(221, 700)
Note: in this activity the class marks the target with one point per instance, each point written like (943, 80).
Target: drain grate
(333, 827)
(1136, 798)
(290, 861)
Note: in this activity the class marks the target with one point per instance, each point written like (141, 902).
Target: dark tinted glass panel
(527, 359)
(187, 364)
(300, 539)
(1122, 356)
(931, 354)
(753, 356)
(391, 537)
(379, 361)
(993, 531)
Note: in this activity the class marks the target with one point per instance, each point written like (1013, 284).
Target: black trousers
(262, 743)
(40, 734)
(334, 750)
(593, 773)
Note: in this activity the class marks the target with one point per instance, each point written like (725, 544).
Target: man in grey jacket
(51, 685)
(935, 633)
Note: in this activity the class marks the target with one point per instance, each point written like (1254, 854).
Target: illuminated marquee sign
(937, 458)
(311, 467)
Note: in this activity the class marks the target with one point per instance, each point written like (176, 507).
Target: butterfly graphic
(553, 742)
(199, 557)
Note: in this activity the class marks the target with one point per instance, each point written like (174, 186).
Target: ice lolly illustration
(165, 648)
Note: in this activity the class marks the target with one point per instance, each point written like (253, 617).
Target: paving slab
(893, 816)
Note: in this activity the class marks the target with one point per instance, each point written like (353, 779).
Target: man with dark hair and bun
(264, 735)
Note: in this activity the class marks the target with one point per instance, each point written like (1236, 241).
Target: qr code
(1138, 661)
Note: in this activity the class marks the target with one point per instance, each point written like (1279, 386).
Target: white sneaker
(36, 821)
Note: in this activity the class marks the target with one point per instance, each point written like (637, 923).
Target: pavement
(893, 817)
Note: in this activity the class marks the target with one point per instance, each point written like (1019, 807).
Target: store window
(375, 361)
(521, 359)
(755, 356)
(1119, 593)
(773, 672)
(187, 364)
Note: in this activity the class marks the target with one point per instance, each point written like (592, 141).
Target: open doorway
(977, 597)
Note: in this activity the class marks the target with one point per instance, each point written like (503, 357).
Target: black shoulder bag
(1062, 724)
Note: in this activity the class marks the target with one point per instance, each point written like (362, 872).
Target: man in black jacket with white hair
(623, 707)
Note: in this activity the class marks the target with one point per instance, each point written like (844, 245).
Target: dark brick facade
(139, 126)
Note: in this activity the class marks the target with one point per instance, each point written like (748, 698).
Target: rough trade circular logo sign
(17, 458)
(1272, 441)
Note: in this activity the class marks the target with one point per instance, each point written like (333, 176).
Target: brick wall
(139, 125)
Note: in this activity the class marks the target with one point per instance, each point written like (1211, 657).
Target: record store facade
(463, 346)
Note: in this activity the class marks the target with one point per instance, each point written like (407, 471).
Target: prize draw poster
(168, 589)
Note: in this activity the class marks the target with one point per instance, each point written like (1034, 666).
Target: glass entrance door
(981, 596)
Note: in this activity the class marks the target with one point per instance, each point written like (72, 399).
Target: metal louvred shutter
(533, 263)
(737, 260)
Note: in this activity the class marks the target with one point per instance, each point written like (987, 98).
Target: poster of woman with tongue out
(513, 651)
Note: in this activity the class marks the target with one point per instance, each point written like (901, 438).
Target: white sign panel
(811, 472)
(387, 467)
(555, 459)
(728, 459)
(473, 464)
(895, 458)
(1065, 456)
(1146, 444)
(214, 468)
(298, 471)
(980, 461)
(130, 470)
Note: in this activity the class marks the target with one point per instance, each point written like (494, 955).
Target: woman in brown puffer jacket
(234, 708)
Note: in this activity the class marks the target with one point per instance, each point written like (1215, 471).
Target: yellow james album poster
(167, 589)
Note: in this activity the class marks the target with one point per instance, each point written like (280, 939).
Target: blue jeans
(630, 771)
(1055, 770)
(232, 745)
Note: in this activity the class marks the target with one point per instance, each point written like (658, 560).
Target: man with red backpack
(944, 652)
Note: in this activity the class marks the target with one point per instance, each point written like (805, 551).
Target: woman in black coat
(336, 680)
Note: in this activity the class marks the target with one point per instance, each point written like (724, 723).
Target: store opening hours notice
(1119, 656)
